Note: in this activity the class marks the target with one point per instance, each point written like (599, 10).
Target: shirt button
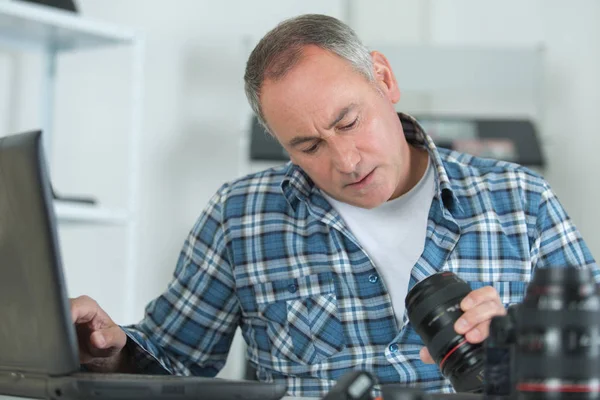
(393, 348)
(292, 288)
(373, 278)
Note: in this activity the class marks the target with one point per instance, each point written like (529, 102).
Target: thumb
(97, 340)
(425, 356)
(112, 339)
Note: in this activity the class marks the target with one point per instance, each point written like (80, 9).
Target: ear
(384, 77)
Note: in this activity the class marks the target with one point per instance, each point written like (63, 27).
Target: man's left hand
(479, 307)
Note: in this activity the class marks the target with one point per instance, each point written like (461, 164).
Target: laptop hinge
(23, 384)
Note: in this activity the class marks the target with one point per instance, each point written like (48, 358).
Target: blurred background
(144, 113)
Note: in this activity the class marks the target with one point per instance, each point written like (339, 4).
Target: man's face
(341, 129)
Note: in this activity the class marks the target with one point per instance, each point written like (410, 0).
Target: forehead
(311, 93)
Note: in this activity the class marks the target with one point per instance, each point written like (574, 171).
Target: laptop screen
(36, 334)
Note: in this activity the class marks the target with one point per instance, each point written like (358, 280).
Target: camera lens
(433, 306)
(558, 336)
(500, 363)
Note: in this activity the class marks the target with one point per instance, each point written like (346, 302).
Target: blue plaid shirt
(271, 255)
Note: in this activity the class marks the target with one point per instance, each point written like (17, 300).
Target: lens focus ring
(433, 306)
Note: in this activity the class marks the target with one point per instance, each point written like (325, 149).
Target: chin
(380, 197)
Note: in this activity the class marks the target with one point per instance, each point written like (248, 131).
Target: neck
(418, 159)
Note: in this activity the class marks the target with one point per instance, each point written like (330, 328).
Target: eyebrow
(343, 112)
(303, 139)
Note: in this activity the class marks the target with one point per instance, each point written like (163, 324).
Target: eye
(350, 125)
(312, 149)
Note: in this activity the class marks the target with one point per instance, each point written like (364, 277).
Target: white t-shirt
(393, 234)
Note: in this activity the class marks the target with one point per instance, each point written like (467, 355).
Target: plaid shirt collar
(297, 186)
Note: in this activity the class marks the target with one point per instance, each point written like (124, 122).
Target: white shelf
(25, 25)
(49, 32)
(90, 214)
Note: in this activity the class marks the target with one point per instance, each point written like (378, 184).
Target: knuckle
(485, 311)
(84, 299)
(479, 317)
(479, 295)
(484, 295)
(483, 325)
(471, 296)
(490, 307)
(89, 301)
(470, 317)
(489, 291)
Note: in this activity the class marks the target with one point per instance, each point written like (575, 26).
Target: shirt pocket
(510, 292)
(302, 318)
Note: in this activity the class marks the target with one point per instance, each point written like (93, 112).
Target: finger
(98, 341)
(109, 349)
(425, 356)
(482, 312)
(83, 309)
(479, 333)
(479, 296)
(109, 338)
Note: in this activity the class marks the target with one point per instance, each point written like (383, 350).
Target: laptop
(38, 347)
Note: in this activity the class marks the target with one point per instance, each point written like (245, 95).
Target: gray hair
(281, 49)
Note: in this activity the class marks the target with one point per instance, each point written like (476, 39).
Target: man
(314, 259)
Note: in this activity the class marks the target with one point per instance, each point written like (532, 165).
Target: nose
(344, 154)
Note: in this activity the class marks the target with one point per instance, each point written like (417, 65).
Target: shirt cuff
(144, 353)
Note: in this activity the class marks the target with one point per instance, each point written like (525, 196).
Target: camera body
(548, 346)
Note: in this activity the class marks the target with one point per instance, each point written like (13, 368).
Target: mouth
(362, 181)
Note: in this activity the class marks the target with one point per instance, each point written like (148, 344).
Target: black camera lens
(433, 306)
(558, 336)
(500, 364)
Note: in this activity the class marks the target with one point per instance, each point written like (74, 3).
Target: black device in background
(38, 344)
(357, 385)
(353, 385)
(67, 5)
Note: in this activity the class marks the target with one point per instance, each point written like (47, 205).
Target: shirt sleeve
(558, 243)
(189, 328)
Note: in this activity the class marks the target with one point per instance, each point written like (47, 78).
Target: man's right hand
(101, 341)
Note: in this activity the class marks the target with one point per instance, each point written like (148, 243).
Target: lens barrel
(433, 306)
(558, 336)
